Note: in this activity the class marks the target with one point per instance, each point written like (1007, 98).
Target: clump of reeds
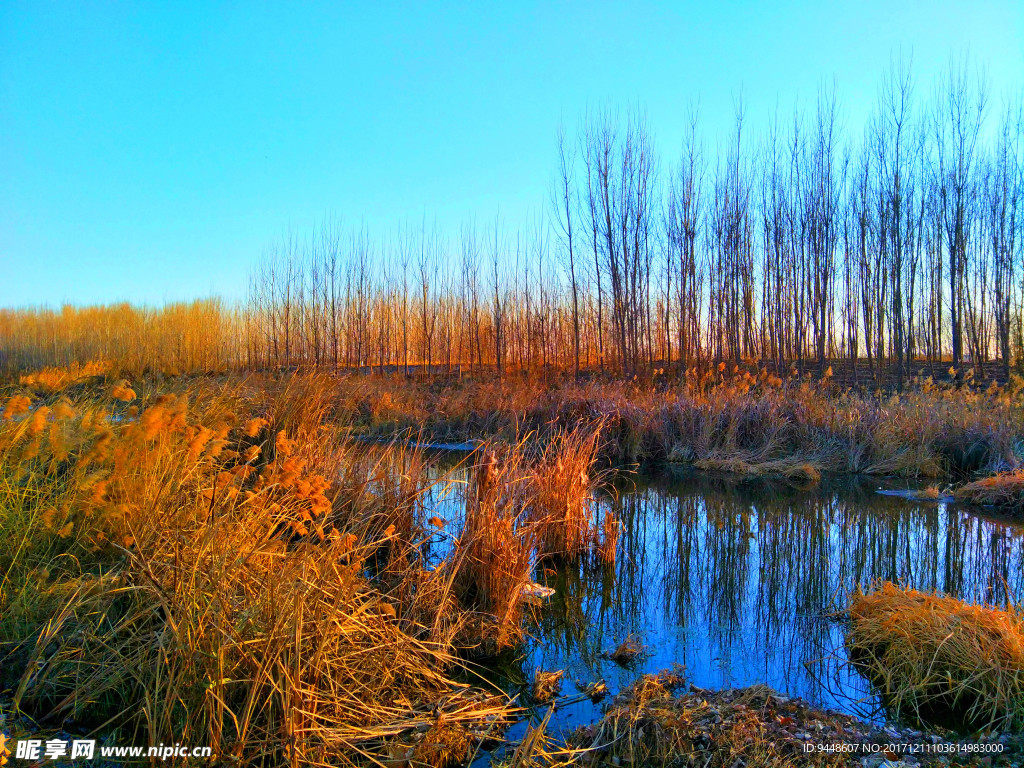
(522, 506)
(562, 505)
(936, 658)
(202, 584)
(1003, 491)
(494, 557)
(795, 470)
(803, 473)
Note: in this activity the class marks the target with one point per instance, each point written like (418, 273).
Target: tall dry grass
(527, 502)
(937, 659)
(194, 566)
(187, 337)
(496, 550)
(749, 423)
(562, 509)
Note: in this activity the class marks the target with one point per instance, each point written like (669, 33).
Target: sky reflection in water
(739, 582)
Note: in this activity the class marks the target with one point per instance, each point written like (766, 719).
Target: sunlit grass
(182, 569)
(936, 658)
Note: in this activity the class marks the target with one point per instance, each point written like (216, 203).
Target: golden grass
(525, 505)
(183, 573)
(561, 510)
(443, 745)
(188, 337)
(55, 378)
(746, 421)
(538, 749)
(934, 657)
(496, 552)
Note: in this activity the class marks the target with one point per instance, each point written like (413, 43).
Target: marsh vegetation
(679, 390)
(220, 560)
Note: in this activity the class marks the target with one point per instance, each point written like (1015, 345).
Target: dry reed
(936, 658)
(1003, 491)
(495, 551)
(184, 574)
(524, 505)
(561, 510)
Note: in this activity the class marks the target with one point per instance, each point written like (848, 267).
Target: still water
(740, 583)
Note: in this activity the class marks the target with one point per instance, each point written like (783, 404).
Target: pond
(740, 583)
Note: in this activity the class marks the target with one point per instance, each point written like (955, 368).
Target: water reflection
(740, 582)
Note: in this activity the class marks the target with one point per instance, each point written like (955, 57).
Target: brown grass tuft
(495, 550)
(546, 685)
(1004, 491)
(936, 658)
(561, 511)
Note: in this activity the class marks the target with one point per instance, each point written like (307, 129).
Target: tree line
(803, 246)
(802, 243)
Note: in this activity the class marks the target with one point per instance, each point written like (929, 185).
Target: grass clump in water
(561, 507)
(546, 685)
(525, 504)
(1003, 491)
(939, 660)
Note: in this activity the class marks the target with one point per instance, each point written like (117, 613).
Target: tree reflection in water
(741, 582)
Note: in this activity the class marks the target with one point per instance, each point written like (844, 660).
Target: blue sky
(151, 152)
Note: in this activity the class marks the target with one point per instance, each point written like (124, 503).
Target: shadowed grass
(1003, 491)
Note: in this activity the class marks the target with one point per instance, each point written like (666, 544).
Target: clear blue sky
(151, 152)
